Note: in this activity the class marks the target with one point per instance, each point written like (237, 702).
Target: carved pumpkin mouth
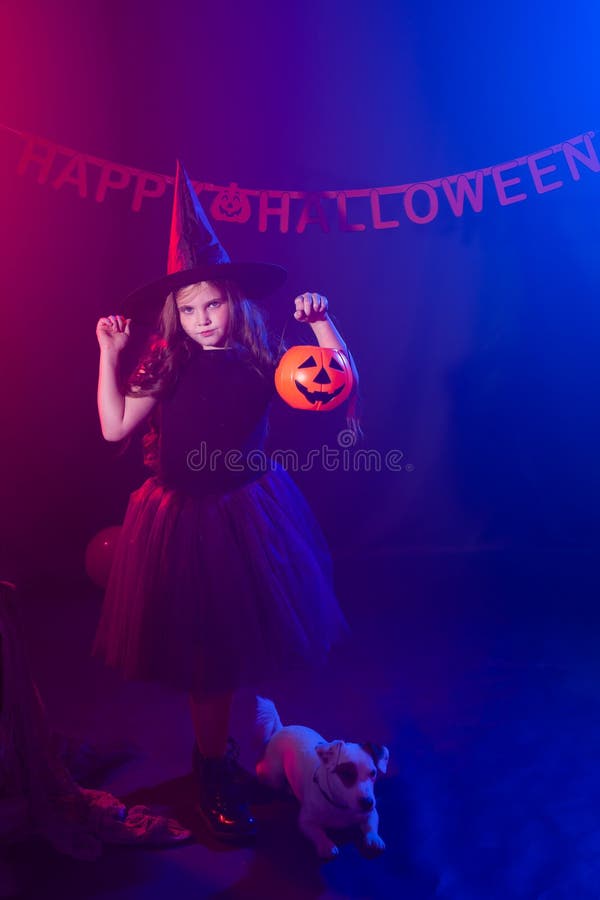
(318, 396)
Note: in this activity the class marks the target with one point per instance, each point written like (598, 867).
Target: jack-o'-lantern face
(316, 378)
(231, 203)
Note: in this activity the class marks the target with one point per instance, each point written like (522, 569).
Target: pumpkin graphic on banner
(317, 378)
(231, 205)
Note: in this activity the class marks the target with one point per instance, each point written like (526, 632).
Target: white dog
(333, 782)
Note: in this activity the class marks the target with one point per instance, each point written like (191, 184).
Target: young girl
(222, 576)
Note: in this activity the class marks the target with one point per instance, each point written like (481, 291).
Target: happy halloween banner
(64, 168)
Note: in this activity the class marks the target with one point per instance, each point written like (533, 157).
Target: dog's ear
(380, 755)
(329, 754)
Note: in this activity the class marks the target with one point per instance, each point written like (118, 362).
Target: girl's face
(203, 311)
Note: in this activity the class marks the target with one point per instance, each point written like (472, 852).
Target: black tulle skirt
(221, 592)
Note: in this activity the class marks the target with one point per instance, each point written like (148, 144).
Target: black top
(215, 414)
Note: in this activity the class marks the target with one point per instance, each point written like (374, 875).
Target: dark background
(475, 337)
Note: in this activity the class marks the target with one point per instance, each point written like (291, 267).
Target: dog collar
(327, 797)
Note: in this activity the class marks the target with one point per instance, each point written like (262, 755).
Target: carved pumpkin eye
(308, 363)
(334, 364)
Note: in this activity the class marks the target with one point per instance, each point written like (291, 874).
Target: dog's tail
(268, 722)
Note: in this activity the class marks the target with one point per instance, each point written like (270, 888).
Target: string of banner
(350, 210)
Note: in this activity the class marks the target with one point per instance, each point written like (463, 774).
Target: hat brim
(257, 281)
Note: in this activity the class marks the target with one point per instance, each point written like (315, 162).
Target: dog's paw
(373, 843)
(327, 850)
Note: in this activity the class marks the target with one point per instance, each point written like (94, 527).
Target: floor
(478, 670)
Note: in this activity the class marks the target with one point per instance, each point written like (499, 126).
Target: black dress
(221, 576)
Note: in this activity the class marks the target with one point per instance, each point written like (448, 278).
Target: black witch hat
(196, 254)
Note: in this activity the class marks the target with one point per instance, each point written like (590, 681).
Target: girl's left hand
(310, 307)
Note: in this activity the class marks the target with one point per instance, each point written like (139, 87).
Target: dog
(333, 782)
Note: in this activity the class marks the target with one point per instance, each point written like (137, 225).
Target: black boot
(221, 797)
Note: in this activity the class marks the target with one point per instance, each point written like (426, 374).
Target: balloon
(99, 554)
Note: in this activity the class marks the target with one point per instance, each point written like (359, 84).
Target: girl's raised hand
(311, 307)
(113, 332)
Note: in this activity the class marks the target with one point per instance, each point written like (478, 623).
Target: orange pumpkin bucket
(316, 378)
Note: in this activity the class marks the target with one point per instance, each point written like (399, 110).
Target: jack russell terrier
(333, 782)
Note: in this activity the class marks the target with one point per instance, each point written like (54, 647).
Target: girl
(222, 576)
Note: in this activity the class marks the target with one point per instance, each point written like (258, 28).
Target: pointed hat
(196, 254)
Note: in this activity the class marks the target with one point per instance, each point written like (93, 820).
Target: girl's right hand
(113, 332)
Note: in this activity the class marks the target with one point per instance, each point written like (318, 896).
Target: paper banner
(64, 168)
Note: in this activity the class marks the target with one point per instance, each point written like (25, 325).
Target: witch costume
(221, 577)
